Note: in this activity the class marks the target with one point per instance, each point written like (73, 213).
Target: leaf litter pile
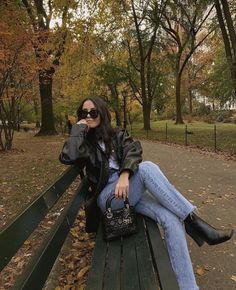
(24, 173)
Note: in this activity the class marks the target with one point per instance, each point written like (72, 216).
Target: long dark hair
(104, 130)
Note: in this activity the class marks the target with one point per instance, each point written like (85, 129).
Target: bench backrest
(14, 234)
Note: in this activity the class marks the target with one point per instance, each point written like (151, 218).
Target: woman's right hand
(82, 121)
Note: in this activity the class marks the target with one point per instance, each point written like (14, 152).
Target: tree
(184, 22)
(220, 82)
(112, 72)
(16, 71)
(196, 78)
(48, 46)
(228, 31)
(140, 42)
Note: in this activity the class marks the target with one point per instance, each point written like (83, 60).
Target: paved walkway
(209, 182)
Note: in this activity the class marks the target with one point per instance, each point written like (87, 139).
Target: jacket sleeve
(75, 147)
(131, 153)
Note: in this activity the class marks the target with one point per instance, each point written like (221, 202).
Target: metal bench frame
(137, 262)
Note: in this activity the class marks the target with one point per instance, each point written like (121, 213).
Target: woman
(114, 165)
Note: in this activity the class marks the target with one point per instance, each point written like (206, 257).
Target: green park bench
(137, 262)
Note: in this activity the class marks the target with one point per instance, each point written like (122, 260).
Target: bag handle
(109, 200)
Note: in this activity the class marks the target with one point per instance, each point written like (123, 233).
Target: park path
(209, 181)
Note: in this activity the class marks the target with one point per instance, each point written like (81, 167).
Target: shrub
(202, 110)
(221, 116)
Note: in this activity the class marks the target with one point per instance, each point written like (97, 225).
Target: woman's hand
(82, 121)
(122, 186)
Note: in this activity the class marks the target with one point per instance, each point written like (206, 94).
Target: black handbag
(119, 222)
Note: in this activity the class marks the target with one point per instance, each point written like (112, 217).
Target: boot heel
(194, 236)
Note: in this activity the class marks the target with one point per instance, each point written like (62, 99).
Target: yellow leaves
(27, 243)
(74, 233)
(76, 264)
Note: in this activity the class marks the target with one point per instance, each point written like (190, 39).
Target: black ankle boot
(201, 231)
(193, 235)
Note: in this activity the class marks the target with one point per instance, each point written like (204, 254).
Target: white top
(113, 164)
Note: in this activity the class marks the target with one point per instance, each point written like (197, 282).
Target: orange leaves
(76, 263)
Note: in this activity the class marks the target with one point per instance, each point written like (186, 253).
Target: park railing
(213, 137)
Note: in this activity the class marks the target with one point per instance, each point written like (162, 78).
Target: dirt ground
(207, 179)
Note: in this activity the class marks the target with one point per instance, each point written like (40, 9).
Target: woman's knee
(147, 165)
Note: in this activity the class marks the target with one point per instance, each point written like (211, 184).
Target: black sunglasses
(93, 114)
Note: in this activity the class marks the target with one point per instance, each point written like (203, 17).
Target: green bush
(221, 116)
(202, 110)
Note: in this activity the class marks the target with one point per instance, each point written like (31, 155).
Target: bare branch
(131, 58)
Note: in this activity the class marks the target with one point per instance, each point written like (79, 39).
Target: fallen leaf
(207, 268)
(82, 272)
(74, 233)
(233, 278)
(27, 242)
(200, 271)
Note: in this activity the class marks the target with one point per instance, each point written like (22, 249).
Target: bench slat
(95, 278)
(161, 258)
(40, 266)
(19, 229)
(112, 269)
(147, 275)
(130, 277)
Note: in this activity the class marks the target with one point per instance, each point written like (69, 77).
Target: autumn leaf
(27, 242)
(74, 233)
(233, 278)
(200, 271)
(82, 272)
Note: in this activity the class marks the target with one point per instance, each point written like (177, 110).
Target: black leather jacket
(78, 150)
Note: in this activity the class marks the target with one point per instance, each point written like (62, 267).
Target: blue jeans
(152, 195)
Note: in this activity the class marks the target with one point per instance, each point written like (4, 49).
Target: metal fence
(212, 137)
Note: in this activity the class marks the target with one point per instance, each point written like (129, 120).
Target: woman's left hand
(122, 186)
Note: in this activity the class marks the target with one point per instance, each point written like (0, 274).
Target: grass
(200, 134)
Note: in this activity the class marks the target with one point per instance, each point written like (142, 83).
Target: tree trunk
(47, 118)
(190, 96)
(115, 103)
(228, 35)
(145, 104)
(179, 119)
(6, 136)
(232, 38)
(146, 116)
(36, 111)
(118, 118)
(230, 25)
